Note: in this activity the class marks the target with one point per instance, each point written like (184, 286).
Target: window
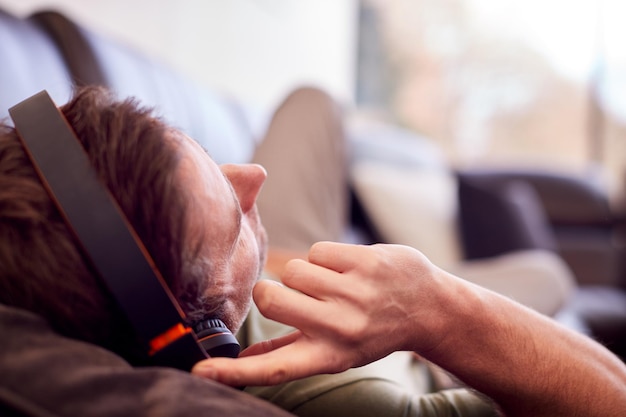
(503, 81)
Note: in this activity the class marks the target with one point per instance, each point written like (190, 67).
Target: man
(198, 222)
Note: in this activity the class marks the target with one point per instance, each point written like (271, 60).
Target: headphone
(110, 243)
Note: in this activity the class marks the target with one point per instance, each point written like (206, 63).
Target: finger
(287, 306)
(340, 257)
(270, 345)
(313, 280)
(290, 362)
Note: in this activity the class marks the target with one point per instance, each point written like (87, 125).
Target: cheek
(246, 263)
(254, 257)
(245, 271)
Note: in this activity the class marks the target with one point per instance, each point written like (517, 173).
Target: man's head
(202, 232)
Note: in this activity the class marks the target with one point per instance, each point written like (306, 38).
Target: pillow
(538, 279)
(411, 206)
(499, 218)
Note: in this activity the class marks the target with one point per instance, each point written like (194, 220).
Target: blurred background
(509, 81)
(481, 132)
(504, 81)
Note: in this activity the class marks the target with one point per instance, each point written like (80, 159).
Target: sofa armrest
(567, 199)
(577, 214)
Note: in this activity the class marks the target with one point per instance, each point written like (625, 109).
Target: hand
(353, 305)
(356, 304)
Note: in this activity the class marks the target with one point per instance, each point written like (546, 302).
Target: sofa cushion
(404, 189)
(411, 206)
(539, 279)
(42, 59)
(495, 220)
(207, 116)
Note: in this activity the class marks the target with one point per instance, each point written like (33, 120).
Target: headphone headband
(106, 236)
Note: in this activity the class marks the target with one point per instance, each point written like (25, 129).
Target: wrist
(457, 312)
(442, 307)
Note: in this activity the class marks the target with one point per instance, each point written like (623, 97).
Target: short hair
(41, 268)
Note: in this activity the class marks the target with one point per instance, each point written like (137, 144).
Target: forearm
(526, 362)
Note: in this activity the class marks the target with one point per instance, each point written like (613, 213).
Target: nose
(247, 180)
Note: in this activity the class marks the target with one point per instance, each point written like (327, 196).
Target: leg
(305, 197)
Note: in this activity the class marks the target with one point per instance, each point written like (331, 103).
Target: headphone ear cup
(216, 339)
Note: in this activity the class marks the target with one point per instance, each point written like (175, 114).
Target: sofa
(492, 226)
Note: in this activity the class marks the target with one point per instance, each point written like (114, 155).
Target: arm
(356, 304)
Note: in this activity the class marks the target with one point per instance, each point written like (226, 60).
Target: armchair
(547, 238)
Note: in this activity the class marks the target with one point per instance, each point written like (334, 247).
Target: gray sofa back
(48, 51)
